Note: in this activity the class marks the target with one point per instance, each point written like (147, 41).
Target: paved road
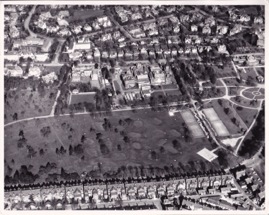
(86, 113)
(27, 21)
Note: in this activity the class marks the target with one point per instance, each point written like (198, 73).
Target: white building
(194, 28)
(51, 77)
(15, 71)
(34, 71)
(42, 57)
(222, 30)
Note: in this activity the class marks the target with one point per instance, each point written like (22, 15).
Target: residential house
(136, 16)
(236, 29)
(49, 78)
(215, 181)
(252, 61)
(206, 30)
(14, 71)
(89, 55)
(87, 27)
(52, 29)
(240, 174)
(212, 191)
(45, 15)
(258, 20)
(225, 190)
(184, 18)
(63, 13)
(128, 80)
(151, 192)
(203, 182)
(14, 32)
(227, 179)
(63, 22)
(77, 29)
(210, 21)
(41, 57)
(142, 79)
(46, 45)
(48, 194)
(188, 40)
(244, 18)
(64, 32)
(34, 71)
(222, 29)
(214, 40)
(194, 28)
(76, 55)
(137, 32)
(104, 21)
(191, 185)
(120, 53)
(222, 49)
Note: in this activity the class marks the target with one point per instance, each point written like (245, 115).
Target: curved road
(27, 22)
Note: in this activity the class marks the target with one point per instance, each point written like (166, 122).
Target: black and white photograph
(133, 106)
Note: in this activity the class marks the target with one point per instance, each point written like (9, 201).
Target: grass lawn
(225, 72)
(84, 14)
(246, 103)
(226, 119)
(27, 103)
(232, 82)
(212, 93)
(260, 70)
(247, 72)
(247, 115)
(147, 131)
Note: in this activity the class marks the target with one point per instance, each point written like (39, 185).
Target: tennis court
(192, 124)
(216, 122)
(208, 155)
(82, 97)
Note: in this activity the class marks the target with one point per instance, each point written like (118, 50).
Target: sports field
(192, 124)
(215, 121)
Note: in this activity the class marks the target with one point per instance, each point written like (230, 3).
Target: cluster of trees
(69, 176)
(22, 140)
(45, 131)
(76, 149)
(251, 145)
(21, 176)
(60, 151)
(47, 168)
(223, 159)
(107, 124)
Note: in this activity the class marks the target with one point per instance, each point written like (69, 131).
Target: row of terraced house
(108, 192)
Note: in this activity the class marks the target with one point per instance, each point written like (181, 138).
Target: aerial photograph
(134, 107)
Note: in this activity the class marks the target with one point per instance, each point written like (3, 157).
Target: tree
(176, 144)
(104, 149)
(119, 147)
(41, 152)
(153, 155)
(45, 131)
(70, 150)
(83, 138)
(22, 142)
(21, 134)
(126, 139)
(15, 116)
